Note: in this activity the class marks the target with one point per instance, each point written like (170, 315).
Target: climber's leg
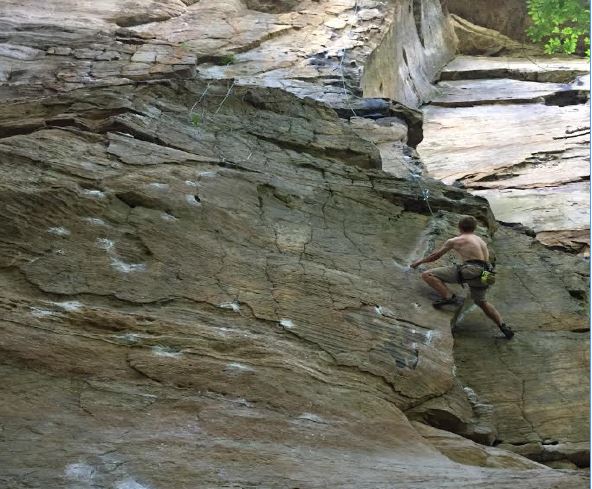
(478, 295)
(437, 278)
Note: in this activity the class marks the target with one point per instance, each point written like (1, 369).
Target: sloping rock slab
(564, 208)
(554, 70)
(467, 452)
(468, 93)
(529, 160)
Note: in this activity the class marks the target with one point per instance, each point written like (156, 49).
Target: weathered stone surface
(467, 452)
(411, 54)
(563, 209)
(143, 289)
(518, 145)
(468, 93)
(553, 70)
(347, 48)
(152, 264)
(274, 6)
(577, 241)
(522, 145)
(204, 281)
(548, 344)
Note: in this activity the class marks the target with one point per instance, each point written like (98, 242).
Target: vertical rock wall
(203, 273)
(417, 44)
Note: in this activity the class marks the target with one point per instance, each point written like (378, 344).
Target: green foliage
(227, 59)
(562, 25)
(196, 120)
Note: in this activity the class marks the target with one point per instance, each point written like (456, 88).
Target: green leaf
(561, 25)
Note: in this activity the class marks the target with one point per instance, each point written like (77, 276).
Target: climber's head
(467, 224)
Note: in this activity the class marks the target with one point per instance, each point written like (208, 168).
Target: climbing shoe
(508, 333)
(444, 302)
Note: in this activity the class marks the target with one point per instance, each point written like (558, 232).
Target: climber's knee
(426, 276)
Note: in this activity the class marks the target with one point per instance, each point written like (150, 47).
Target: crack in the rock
(522, 392)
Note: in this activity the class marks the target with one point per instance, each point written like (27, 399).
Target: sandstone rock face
(513, 131)
(532, 418)
(204, 270)
(467, 452)
(411, 54)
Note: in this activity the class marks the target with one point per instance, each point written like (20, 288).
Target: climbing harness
(487, 276)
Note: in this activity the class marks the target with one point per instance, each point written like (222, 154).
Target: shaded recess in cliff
(510, 17)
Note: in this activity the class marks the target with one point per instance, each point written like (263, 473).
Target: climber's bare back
(469, 247)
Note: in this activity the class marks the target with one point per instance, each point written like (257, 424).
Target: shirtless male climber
(475, 255)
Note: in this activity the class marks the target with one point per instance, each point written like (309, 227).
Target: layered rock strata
(205, 278)
(516, 132)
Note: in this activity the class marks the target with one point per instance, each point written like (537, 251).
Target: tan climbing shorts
(471, 275)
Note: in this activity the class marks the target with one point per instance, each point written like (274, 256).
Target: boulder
(477, 40)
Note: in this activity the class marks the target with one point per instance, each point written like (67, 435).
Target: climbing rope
(346, 94)
(424, 192)
(197, 119)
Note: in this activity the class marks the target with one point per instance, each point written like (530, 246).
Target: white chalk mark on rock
(80, 472)
(69, 306)
(159, 185)
(124, 267)
(129, 337)
(59, 231)
(235, 306)
(164, 351)
(312, 417)
(463, 314)
(239, 367)
(404, 268)
(168, 217)
(287, 323)
(130, 484)
(378, 310)
(105, 244)
(471, 394)
(191, 200)
(95, 221)
(94, 194)
(41, 313)
(190, 183)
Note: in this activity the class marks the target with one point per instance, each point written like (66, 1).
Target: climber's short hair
(467, 224)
